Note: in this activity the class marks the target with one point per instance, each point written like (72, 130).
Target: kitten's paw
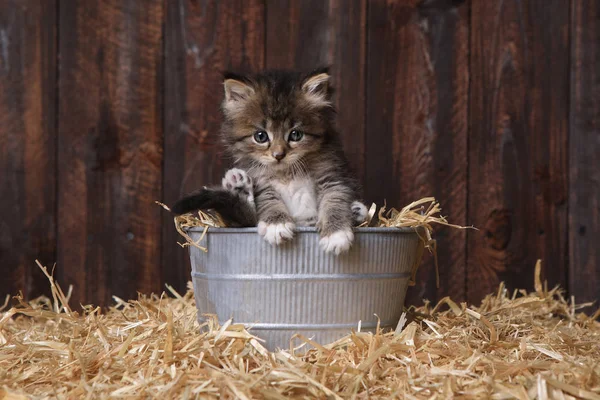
(276, 233)
(237, 181)
(359, 212)
(338, 242)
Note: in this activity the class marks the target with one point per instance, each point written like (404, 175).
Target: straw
(529, 345)
(420, 215)
(200, 218)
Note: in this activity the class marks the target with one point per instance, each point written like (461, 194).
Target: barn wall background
(493, 107)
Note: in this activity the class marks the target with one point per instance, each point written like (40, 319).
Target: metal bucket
(298, 288)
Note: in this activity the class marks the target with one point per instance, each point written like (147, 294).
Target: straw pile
(420, 214)
(515, 345)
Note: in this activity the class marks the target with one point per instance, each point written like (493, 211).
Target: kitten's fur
(234, 201)
(295, 182)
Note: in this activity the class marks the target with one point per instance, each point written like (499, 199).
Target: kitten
(279, 128)
(234, 201)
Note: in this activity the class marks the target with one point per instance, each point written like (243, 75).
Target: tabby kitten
(234, 201)
(279, 128)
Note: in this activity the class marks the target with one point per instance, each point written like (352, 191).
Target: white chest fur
(300, 198)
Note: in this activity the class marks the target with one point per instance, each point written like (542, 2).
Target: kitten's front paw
(237, 181)
(359, 212)
(276, 233)
(338, 242)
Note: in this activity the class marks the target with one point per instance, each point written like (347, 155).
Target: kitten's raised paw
(276, 233)
(237, 181)
(359, 212)
(338, 242)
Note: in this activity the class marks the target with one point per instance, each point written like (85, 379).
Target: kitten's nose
(279, 154)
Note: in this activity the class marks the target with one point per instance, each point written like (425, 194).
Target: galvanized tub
(278, 291)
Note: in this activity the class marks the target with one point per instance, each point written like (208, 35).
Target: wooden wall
(490, 106)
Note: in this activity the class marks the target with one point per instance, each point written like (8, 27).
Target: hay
(515, 345)
(415, 215)
(205, 219)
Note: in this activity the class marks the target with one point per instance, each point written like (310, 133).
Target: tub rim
(304, 229)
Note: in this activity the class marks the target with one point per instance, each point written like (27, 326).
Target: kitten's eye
(261, 137)
(295, 136)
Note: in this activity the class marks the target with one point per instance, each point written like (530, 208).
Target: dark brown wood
(27, 144)
(304, 35)
(518, 143)
(110, 148)
(417, 110)
(202, 40)
(490, 106)
(584, 152)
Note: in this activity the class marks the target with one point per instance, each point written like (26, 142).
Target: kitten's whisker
(302, 168)
(298, 169)
(293, 169)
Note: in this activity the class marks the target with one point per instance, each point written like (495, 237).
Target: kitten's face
(277, 119)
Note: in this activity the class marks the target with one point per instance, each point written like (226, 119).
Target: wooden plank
(584, 152)
(417, 110)
(110, 148)
(518, 178)
(305, 34)
(202, 40)
(27, 144)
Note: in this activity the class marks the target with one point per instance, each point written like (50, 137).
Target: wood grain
(305, 34)
(490, 106)
(110, 148)
(584, 153)
(27, 144)
(518, 177)
(417, 110)
(202, 40)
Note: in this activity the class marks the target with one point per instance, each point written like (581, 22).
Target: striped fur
(313, 170)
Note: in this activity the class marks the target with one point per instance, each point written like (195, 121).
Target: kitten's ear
(237, 91)
(316, 87)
